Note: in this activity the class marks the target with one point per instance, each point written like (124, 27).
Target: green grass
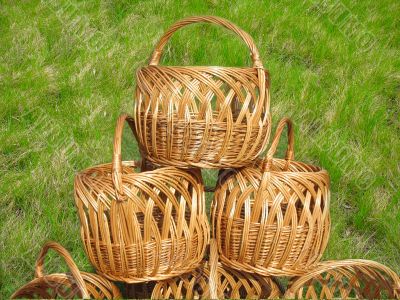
(60, 99)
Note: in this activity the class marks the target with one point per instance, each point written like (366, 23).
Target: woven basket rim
(128, 164)
(329, 265)
(89, 174)
(190, 67)
(258, 166)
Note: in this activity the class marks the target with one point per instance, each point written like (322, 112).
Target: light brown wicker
(141, 226)
(65, 285)
(353, 278)
(273, 218)
(208, 117)
(214, 281)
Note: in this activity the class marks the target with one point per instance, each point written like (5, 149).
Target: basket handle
(255, 56)
(76, 274)
(266, 166)
(213, 263)
(116, 172)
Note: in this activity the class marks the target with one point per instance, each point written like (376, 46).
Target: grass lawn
(67, 71)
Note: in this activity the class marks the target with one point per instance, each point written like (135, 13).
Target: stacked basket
(270, 217)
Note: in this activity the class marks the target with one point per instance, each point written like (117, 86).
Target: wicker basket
(144, 226)
(273, 218)
(213, 281)
(208, 117)
(61, 285)
(361, 279)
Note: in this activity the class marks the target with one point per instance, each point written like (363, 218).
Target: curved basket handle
(290, 149)
(76, 274)
(255, 56)
(213, 265)
(116, 172)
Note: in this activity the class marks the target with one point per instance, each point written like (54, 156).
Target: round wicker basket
(65, 285)
(144, 226)
(214, 281)
(272, 218)
(208, 117)
(346, 279)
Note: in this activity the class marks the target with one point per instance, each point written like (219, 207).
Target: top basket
(202, 116)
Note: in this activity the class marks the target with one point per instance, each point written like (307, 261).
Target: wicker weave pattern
(273, 218)
(214, 281)
(141, 226)
(361, 279)
(209, 117)
(74, 285)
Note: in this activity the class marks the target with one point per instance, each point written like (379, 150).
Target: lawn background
(67, 70)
